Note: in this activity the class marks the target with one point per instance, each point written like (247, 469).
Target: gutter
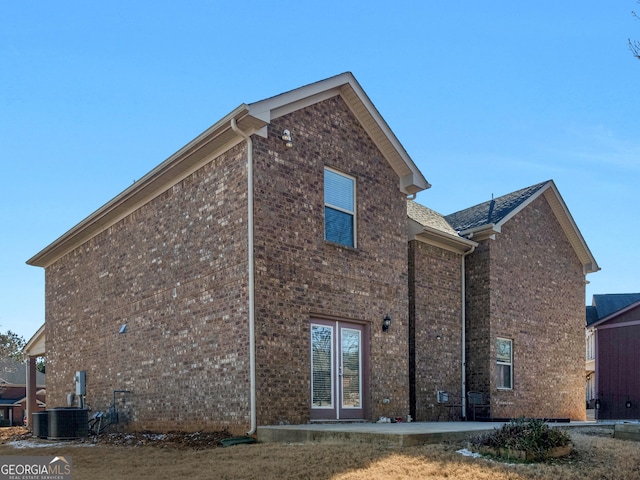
(252, 322)
(464, 332)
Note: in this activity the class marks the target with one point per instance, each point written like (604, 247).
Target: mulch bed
(184, 440)
(193, 441)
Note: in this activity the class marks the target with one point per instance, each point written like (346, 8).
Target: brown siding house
(273, 271)
(616, 328)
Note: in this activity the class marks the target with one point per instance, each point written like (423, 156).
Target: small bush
(529, 435)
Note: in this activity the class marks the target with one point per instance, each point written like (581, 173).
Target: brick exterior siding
(175, 271)
(300, 276)
(435, 309)
(528, 285)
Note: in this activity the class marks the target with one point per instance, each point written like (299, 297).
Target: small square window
(504, 360)
(339, 208)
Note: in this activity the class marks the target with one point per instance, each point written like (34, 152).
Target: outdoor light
(286, 138)
(597, 404)
(628, 404)
(386, 323)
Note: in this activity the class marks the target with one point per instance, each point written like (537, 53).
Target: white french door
(338, 359)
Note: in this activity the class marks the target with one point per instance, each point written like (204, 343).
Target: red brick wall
(300, 276)
(536, 297)
(435, 311)
(174, 271)
(477, 317)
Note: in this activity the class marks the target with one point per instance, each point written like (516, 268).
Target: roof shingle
(491, 211)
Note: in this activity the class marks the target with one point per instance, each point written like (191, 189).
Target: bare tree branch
(634, 45)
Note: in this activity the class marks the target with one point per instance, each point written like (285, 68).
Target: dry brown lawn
(596, 456)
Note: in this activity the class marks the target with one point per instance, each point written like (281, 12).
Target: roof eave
(411, 180)
(615, 314)
(481, 232)
(192, 156)
(560, 210)
(438, 238)
(566, 221)
(570, 228)
(36, 346)
(251, 119)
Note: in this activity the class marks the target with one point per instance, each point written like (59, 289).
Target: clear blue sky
(487, 98)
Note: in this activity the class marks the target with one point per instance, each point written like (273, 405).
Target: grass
(596, 455)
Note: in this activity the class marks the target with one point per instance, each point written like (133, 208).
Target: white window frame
(503, 362)
(340, 209)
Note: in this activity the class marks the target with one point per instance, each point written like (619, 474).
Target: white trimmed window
(339, 208)
(504, 360)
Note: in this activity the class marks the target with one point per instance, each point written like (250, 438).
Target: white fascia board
(438, 238)
(482, 232)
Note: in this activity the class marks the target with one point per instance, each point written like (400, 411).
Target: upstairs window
(504, 357)
(339, 208)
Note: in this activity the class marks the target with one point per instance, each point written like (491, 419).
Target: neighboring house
(613, 327)
(13, 376)
(260, 276)
(525, 291)
(590, 357)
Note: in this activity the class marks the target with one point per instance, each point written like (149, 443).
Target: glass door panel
(351, 368)
(338, 361)
(322, 366)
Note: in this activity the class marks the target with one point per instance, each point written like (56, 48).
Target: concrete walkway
(393, 434)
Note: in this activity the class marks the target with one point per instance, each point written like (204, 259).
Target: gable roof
(486, 219)
(251, 119)
(606, 305)
(492, 212)
(13, 372)
(592, 315)
(429, 218)
(35, 347)
(431, 227)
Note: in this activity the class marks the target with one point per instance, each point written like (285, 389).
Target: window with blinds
(339, 208)
(504, 357)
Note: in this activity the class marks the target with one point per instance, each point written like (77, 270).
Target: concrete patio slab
(392, 434)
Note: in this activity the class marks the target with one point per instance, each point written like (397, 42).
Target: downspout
(252, 340)
(464, 332)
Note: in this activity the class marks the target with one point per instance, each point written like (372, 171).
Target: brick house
(613, 329)
(193, 276)
(226, 296)
(524, 295)
(13, 388)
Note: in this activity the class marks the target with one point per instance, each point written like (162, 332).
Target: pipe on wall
(252, 340)
(464, 331)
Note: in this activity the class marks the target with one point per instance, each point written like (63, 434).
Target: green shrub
(527, 435)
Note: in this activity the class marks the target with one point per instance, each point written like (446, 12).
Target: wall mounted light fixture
(386, 323)
(286, 138)
(628, 404)
(597, 405)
